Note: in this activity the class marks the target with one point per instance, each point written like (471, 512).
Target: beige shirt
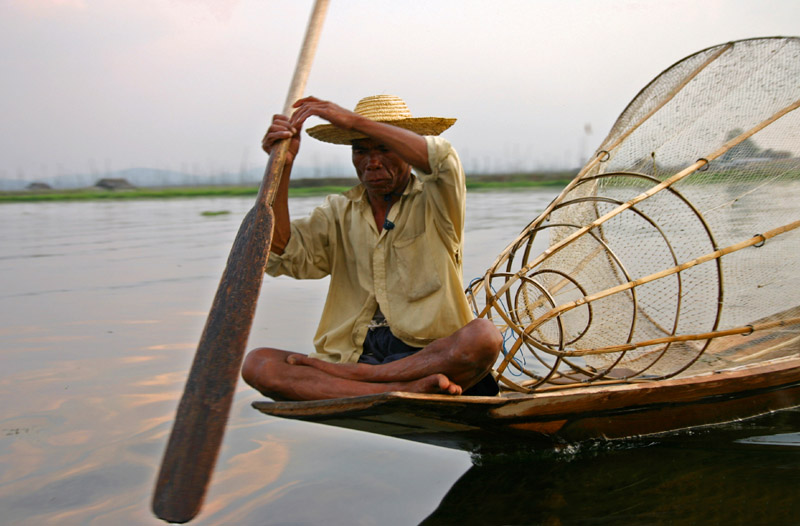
(413, 271)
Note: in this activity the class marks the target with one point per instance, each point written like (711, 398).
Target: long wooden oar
(203, 410)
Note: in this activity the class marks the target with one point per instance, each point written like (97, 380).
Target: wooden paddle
(203, 410)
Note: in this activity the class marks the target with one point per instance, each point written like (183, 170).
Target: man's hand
(410, 146)
(289, 128)
(333, 113)
(281, 129)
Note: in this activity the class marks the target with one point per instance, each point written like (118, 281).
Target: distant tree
(745, 149)
(776, 154)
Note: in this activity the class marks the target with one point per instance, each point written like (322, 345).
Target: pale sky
(101, 85)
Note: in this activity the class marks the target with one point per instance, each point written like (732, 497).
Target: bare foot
(435, 383)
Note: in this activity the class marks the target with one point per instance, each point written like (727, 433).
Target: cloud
(168, 83)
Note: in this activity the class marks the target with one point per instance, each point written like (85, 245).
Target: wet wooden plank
(560, 415)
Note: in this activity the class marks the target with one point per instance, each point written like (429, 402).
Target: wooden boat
(575, 413)
(658, 291)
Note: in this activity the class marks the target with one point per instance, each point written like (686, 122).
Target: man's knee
(250, 366)
(484, 338)
(256, 367)
(487, 333)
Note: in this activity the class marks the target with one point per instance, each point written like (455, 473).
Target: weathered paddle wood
(202, 414)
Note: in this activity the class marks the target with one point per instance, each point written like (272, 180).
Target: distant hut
(39, 186)
(109, 183)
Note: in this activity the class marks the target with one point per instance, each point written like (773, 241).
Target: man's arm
(410, 146)
(282, 129)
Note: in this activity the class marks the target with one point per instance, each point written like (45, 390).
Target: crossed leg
(448, 365)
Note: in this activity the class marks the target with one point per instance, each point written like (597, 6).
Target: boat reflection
(715, 476)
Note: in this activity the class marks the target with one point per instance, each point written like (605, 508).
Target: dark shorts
(381, 346)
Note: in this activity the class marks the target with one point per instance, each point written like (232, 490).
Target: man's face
(379, 169)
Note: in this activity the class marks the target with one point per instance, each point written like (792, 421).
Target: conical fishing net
(676, 250)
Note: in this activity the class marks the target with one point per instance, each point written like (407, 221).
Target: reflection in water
(699, 478)
(99, 325)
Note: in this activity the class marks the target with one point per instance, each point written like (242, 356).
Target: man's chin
(378, 189)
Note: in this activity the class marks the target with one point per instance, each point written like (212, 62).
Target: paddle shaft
(202, 414)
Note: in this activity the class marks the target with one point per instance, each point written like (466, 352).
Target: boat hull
(561, 416)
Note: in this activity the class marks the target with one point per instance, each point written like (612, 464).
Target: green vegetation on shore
(297, 188)
(502, 185)
(88, 194)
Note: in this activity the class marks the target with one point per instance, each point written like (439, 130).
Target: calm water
(101, 307)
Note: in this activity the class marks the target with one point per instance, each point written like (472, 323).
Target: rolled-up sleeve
(448, 175)
(307, 254)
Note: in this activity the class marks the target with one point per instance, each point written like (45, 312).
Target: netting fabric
(682, 233)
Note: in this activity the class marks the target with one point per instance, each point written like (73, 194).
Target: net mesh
(674, 250)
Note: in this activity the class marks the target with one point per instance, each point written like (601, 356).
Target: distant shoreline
(297, 188)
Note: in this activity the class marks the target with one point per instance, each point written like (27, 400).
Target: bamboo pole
(747, 329)
(639, 198)
(759, 238)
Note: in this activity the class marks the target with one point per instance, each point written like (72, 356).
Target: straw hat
(382, 108)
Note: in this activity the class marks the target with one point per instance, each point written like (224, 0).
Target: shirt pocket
(416, 267)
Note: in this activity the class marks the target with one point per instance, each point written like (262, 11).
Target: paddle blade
(203, 410)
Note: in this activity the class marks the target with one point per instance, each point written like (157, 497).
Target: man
(396, 317)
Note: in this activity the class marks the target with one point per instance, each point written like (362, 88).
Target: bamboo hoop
(755, 240)
(597, 159)
(641, 197)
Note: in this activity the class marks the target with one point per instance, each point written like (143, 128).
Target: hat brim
(421, 125)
